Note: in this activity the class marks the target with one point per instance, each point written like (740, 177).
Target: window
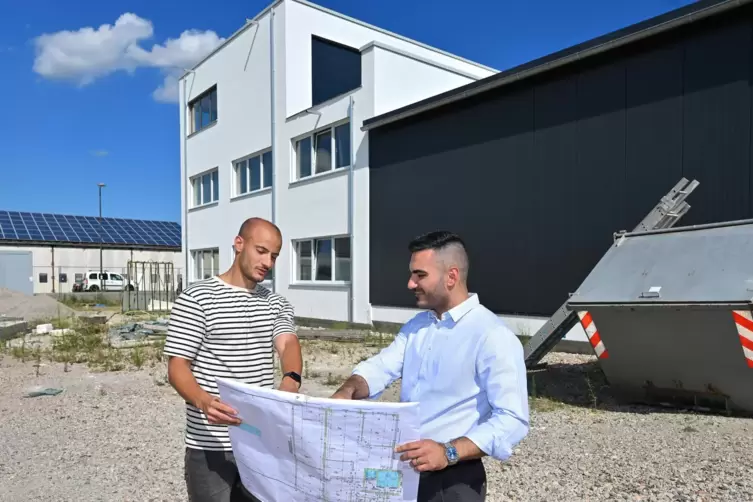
(335, 70)
(42, 278)
(206, 188)
(63, 277)
(324, 151)
(204, 110)
(206, 263)
(323, 260)
(253, 174)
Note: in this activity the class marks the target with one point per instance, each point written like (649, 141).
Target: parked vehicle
(106, 281)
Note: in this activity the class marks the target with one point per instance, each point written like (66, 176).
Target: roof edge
(249, 23)
(420, 59)
(395, 35)
(653, 26)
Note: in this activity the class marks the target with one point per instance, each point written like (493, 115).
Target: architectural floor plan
(301, 448)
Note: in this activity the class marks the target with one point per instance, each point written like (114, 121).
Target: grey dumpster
(668, 313)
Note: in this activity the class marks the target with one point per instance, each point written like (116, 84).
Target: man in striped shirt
(228, 326)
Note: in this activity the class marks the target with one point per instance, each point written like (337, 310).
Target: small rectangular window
(303, 151)
(63, 278)
(304, 260)
(204, 110)
(254, 167)
(206, 264)
(342, 259)
(206, 188)
(266, 161)
(323, 259)
(330, 148)
(42, 278)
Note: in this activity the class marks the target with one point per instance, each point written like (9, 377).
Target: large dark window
(335, 70)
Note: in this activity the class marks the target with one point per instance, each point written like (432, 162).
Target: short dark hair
(438, 239)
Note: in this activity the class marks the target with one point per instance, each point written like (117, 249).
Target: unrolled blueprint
(292, 447)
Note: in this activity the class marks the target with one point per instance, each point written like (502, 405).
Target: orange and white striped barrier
(593, 335)
(744, 323)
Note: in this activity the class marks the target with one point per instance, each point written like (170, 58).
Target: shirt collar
(458, 311)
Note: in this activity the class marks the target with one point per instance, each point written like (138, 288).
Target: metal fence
(156, 286)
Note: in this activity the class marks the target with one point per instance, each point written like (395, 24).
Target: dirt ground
(115, 433)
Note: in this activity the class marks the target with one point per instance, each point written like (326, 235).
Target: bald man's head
(251, 223)
(257, 247)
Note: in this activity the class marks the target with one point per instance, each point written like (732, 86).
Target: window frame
(333, 151)
(197, 257)
(263, 186)
(333, 281)
(197, 182)
(211, 93)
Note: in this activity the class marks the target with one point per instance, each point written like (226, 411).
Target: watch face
(452, 453)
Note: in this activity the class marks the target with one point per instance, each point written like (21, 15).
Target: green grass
(88, 344)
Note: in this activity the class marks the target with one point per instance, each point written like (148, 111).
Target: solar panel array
(58, 228)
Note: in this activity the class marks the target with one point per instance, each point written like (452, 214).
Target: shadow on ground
(585, 385)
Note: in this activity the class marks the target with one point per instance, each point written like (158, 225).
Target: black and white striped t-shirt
(227, 331)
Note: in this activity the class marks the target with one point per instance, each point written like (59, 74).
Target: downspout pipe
(186, 196)
(273, 124)
(351, 204)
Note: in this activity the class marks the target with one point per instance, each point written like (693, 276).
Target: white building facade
(271, 127)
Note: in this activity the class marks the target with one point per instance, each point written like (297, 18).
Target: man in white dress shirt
(462, 364)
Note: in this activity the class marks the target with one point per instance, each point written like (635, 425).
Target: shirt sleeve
(381, 370)
(284, 320)
(186, 328)
(500, 367)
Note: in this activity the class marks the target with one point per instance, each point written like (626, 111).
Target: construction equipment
(664, 215)
(668, 314)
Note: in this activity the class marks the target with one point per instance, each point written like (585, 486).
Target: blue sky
(71, 123)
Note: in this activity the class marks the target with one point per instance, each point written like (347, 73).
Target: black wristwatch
(295, 376)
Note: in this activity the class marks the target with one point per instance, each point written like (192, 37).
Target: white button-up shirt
(467, 371)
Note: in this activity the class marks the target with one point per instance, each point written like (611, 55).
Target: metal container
(668, 314)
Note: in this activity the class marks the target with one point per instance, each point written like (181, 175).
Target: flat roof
(25, 228)
(255, 19)
(659, 24)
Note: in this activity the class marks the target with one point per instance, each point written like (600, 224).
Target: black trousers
(462, 482)
(212, 476)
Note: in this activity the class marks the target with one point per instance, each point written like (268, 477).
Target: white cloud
(87, 54)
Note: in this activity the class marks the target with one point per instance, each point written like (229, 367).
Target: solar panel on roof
(22, 226)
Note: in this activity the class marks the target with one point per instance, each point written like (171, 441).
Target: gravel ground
(118, 437)
(15, 304)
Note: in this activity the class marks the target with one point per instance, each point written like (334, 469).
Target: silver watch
(452, 454)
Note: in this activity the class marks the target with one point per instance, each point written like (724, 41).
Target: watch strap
(295, 376)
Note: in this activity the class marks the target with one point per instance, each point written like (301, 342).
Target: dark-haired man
(464, 367)
(228, 326)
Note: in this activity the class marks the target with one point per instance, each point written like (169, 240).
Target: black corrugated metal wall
(537, 176)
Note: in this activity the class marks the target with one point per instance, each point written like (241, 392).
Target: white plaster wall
(72, 261)
(241, 71)
(304, 19)
(316, 207)
(401, 80)
(521, 325)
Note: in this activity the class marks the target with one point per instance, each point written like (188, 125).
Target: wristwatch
(451, 453)
(295, 376)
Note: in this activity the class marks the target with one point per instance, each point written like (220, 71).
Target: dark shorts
(212, 476)
(462, 482)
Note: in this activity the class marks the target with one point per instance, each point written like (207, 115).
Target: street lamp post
(101, 272)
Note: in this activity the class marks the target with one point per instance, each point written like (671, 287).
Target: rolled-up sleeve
(500, 366)
(384, 368)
